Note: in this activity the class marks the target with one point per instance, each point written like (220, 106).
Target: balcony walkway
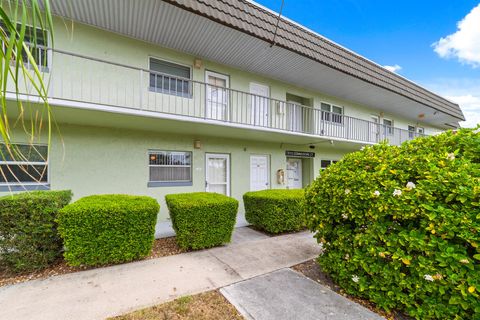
(79, 81)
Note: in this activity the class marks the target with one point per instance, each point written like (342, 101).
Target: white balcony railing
(79, 78)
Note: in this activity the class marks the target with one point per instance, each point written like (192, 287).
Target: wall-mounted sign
(300, 154)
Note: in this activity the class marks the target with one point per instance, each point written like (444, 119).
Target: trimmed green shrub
(106, 229)
(202, 219)
(275, 210)
(400, 226)
(28, 232)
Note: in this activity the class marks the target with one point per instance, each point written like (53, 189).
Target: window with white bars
(23, 164)
(331, 113)
(170, 78)
(170, 166)
(38, 50)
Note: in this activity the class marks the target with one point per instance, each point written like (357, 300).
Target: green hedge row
(28, 232)
(400, 226)
(105, 229)
(201, 219)
(275, 210)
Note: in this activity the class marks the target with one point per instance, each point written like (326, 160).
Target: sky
(436, 44)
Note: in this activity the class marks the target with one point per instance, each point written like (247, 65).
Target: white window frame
(168, 92)
(331, 113)
(171, 183)
(43, 68)
(24, 186)
(389, 129)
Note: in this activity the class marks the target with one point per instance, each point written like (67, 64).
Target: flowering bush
(400, 226)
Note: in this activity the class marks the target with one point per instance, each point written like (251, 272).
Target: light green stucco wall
(94, 160)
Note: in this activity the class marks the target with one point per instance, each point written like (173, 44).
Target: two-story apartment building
(155, 97)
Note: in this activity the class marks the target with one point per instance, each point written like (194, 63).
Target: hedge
(276, 210)
(28, 232)
(202, 219)
(400, 226)
(107, 229)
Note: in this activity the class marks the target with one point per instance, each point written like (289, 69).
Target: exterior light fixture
(197, 63)
(197, 144)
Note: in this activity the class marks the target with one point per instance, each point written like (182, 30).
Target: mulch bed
(209, 305)
(312, 270)
(161, 248)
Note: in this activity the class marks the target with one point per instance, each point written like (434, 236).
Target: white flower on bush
(397, 193)
(428, 277)
(451, 156)
(344, 216)
(476, 131)
(411, 185)
(355, 278)
(347, 191)
(376, 193)
(347, 256)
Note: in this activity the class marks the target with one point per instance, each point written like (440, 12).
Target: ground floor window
(23, 164)
(324, 164)
(170, 168)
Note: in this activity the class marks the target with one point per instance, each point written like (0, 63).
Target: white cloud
(394, 68)
(470, 105)
(465, 92)
(464, 44)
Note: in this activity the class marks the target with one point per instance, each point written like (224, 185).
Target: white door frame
(227, 174)
(259, 118)
(267, 157)
(227, 93)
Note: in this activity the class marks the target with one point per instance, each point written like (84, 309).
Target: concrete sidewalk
(287, 295)
(99, 293)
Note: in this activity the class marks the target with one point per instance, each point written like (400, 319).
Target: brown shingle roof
(258, 22)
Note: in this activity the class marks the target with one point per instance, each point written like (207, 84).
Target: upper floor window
(388, 125)
(170, 78)
(411, 132)
(23, 164)
(37, 41)
(170, 168)
(331, 113)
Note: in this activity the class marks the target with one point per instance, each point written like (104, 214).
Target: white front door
(294, 174)
(259, 173)
(217, 97)
(217, 173)
(259, 101)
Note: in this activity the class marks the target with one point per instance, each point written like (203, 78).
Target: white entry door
(294, 174)
(295, 118)
(217, 173)
(259, 102)
(374, 128)
(259, 173)
(217, 97)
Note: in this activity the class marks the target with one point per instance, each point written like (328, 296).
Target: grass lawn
(209, 305)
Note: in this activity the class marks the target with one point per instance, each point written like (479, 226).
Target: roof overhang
(216, 34)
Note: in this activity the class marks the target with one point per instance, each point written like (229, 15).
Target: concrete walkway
(99, 293)
(288, 295)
